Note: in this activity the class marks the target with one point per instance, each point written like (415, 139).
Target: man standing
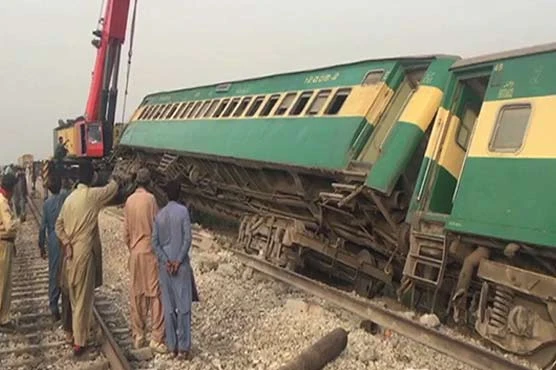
(171, 243)
(20, 194)
(34, 176)
(139, 213)
(61, 151)
(51, 209)
(8, 230)
(77, 229)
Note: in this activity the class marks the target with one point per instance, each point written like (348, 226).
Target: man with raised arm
(78, 231)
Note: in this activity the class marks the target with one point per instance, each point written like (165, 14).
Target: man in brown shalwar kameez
(139, 213)
(77, 229)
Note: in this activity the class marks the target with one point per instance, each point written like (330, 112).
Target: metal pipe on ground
(327, 349)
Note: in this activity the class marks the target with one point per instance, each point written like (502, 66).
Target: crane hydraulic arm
(96, 129)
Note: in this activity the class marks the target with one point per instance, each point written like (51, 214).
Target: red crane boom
(108, 54)
(95, 129)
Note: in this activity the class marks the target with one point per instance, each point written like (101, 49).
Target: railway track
(31, 292)
(462, 350)
(38, 342)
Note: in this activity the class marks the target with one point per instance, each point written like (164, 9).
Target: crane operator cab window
(91, 140)
(94, 135)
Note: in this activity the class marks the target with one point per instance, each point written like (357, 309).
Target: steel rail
(463, 351)
(110, 348)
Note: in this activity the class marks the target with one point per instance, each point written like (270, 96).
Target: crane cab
(91, 143)
(82, 139)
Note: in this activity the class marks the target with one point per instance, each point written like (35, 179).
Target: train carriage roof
(404, 60)
(515, 53)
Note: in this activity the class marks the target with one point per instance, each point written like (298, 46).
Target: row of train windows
(509, 131)
(251, 106)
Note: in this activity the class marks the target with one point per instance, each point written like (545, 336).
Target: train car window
(145, 112)
(166, 111)
(269, 105)
(242, 106)
(255, 106)
(465, 128)
(212, 107)
(285, 104)
(162, 111)
(179, 111)
(233, 104)
(373, 77)
(159, 111)
(337, 101)
(186, 110)
(318, 102)
(195, 109)
(203, 109)
(510, 128)
(221, 108)
(301, 103)
(171, 111)
(151, 112)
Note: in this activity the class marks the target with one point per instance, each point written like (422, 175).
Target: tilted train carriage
(363, 170)
(298, 157)
(484, 199)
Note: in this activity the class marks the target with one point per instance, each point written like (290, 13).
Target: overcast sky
(46, 57)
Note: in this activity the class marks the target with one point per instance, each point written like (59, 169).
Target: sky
(46, 56)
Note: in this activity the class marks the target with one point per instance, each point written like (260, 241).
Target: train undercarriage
(504, 290)
(330, 221)
(328, 213)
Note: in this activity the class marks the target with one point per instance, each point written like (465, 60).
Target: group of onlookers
(158, 242)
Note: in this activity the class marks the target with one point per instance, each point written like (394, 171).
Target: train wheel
(365, 286)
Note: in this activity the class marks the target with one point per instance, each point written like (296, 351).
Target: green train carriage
(484, 201)
(319, 165)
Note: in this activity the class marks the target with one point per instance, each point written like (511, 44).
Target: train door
(373, 148)
(450, 140)
(452, 132)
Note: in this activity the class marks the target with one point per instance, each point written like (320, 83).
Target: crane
(101, 104)
(92, 134)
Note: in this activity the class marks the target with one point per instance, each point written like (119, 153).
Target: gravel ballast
(246, 321)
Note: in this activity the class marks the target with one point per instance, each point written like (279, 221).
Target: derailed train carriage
(411, 172)
(289, 154)
(483, 200)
